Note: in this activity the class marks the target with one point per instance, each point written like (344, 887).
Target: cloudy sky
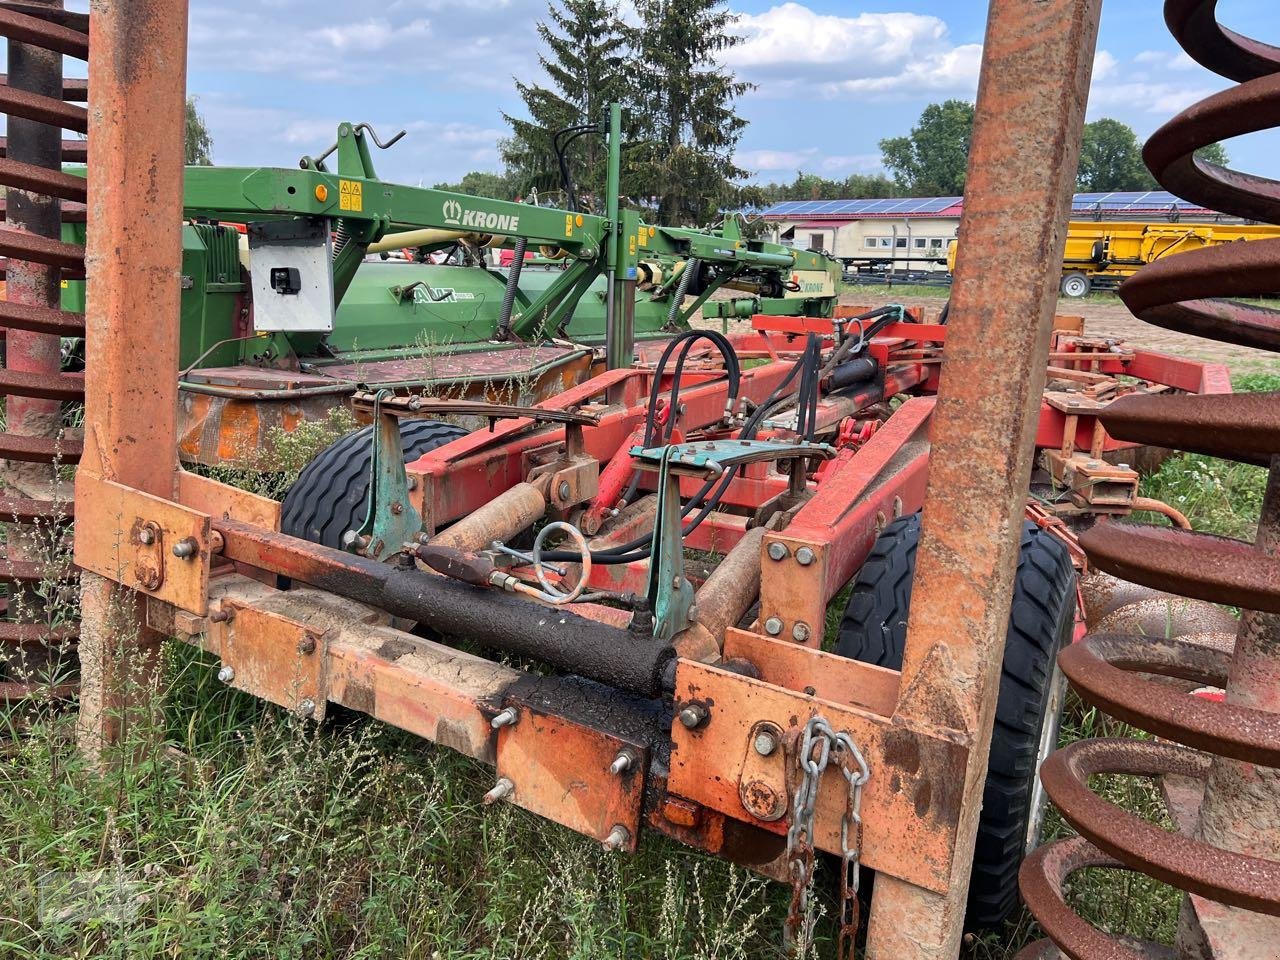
(275, 76)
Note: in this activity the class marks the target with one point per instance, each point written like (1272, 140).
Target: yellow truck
(1100, 255)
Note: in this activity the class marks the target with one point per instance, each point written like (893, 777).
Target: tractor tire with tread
(328, 498)
(1041, 620)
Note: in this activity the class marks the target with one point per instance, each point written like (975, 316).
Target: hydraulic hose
(712, 492)
(513, 287)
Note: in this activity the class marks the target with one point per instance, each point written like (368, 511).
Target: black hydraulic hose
(566, 180)
(642, 547)
(685, 341)
(493, 618)
(513, 287)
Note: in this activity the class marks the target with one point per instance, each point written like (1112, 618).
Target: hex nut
(766, 742)
(505, 718)
(618, 838)
(694, 716)
(773, 626)
(805, 556)
(778, 551)
(226, 674)
(800, 633)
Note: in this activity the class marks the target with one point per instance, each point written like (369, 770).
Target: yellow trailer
(1101, 255)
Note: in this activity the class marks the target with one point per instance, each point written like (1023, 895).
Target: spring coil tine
(1194, 24)
(29, 176)
(39, 31)
(1127, 675)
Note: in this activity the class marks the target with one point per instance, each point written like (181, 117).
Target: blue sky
(275, 76)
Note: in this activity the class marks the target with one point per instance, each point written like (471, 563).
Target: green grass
(241, 832)
(942, 292)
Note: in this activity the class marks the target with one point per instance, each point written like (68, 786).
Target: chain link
(819, 744)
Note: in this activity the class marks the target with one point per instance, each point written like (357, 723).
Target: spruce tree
(687, 100)
(585, 63)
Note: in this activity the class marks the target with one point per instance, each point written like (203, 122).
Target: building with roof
(913, 234)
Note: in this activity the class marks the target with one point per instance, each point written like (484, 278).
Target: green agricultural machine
(284, 320)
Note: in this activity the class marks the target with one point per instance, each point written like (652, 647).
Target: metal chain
(819, 743)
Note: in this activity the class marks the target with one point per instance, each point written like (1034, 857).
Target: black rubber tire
(1041, 620)
(328, 498)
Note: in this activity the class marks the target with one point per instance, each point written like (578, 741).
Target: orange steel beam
(1037, 62)
(137, 79)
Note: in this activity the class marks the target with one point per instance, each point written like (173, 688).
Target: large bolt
(564, 490)
(624, 761)
(306, 707)
(766, 742)
(694, 716)
(186, 548)
(505, 718)
(804, 556)
(692, 615)
(778, 551)
(800, 632)
(501, 790)
(618, 838)
(146, 536)
(773, 626)
(226, 674)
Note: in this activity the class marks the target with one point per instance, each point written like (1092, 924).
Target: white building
(913, 234)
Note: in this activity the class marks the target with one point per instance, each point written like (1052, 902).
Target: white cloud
(1166, 60)
(854, 163)
(427, 39)
(774, 160)
(1104, 65)
(369, 36)
(811, 159)
(790, 46)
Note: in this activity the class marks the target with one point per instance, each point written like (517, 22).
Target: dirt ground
(1109, 317)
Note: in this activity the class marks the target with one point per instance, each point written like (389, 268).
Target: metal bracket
(670, 592)
(273, 657)
(912, 802)
(153, 545)
(583, 778)
(390, 518)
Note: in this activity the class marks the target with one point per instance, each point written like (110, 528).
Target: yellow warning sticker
(351, 195)
(642, 237)
(632, 246)
(568, 224)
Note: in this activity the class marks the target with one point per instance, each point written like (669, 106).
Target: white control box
(291, 273)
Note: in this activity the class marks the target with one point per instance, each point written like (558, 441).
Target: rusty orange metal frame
(598, 760)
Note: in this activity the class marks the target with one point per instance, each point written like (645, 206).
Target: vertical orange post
(137, 89)
(1026, 146)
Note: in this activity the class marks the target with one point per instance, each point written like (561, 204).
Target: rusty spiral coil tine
(1197, 565)
(30, 167)
(1240, 426)
(1042, 877)
(1239, 736)
(1195, 25)
(1231, 878)
(1104, 670)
